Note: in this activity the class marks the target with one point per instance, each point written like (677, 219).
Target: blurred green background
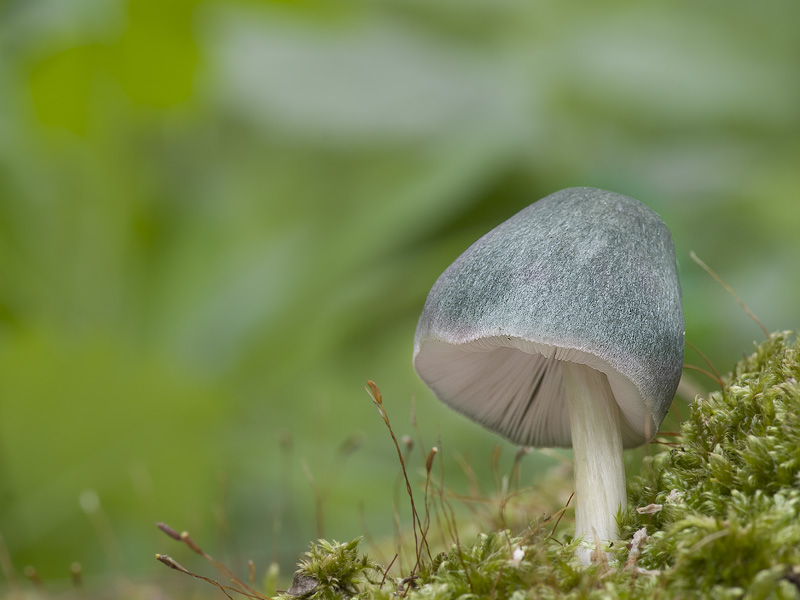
(219, 219)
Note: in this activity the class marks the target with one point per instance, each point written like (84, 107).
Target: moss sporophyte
(716, 515)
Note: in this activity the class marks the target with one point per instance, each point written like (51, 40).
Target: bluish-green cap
(583, 275)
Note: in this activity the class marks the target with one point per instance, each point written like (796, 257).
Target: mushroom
(563, 327)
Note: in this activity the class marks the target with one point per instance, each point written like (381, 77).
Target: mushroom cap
(583, 275)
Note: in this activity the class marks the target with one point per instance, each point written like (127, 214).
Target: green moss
(721, 516)
(730, 488)
(331, 571)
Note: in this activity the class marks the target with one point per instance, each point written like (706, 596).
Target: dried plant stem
(416, 522)
(318, 510)
(450, 519)
(729, 289)
(241, 587)
(716, 380)
(6, 567)
(705, 360)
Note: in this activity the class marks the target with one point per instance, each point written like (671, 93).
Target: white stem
(597, 454)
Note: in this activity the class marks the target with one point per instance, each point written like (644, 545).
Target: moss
(330, 571)
(730, 488)
(717, 515)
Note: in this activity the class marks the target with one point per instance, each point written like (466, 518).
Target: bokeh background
(218, 219)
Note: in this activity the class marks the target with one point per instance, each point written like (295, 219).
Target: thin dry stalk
(398, 532)
(186, 538)
(476, 490)
(415, 427)
(716, 380)
(173, 564)
(496, 581)
(503, 504)
(386, 572)
(93, 508)
(7, 567)
(475, 487)
(495, 465)
(428, 465)
(450, 518)
(516, 467)
(374, 548)
(729, 289)
(241, 587)
(33, 576)
(416, 523)
(76, 573)
(705, 359)
(318, 499)
(437, 514)
(560, 514)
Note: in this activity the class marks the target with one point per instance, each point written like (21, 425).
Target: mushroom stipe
(563, 326)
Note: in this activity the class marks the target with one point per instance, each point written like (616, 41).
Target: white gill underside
(515, 387)
(597, 454)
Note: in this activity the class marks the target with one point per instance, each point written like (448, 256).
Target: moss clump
(715, 516)
(332, 571)
(730, 487)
